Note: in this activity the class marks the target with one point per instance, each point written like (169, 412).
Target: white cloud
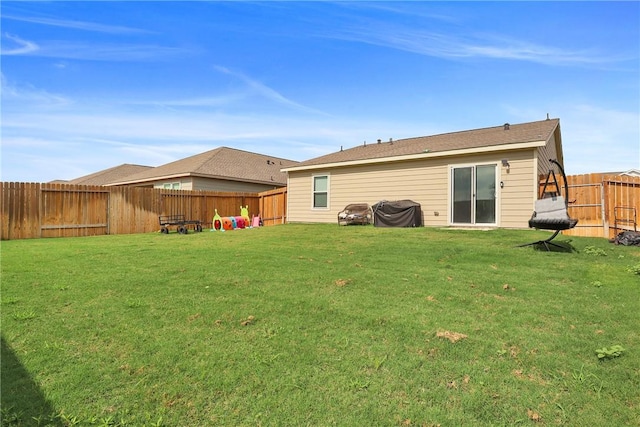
(18, 46)
(267, 92)
(457, 42)
(208, 101)
(77, 25)
(470, 46)
(28, 96)
(105, 51)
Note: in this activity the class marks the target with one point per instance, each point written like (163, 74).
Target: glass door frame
(474, 190)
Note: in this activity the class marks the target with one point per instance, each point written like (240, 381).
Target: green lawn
(319, 325)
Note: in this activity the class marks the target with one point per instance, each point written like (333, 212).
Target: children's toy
(244, 213)
(217, 222)
(224, 223)
(227, 224)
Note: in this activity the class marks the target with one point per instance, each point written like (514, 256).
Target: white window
(171, 186)
(321, 191)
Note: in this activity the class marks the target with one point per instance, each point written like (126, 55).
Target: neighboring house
(483, 177)
(222, 169)
(108, 176)
(631, 172)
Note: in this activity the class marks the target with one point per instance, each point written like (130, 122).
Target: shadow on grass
(555, 246)
(22, 402)
(547, 245)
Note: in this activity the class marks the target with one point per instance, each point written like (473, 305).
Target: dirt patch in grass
(451, 336)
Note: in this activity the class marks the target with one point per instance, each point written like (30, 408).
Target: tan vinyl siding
(423, 181)
(545, 153)
(518, 194)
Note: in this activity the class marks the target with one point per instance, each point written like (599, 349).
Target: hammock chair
(550, 211)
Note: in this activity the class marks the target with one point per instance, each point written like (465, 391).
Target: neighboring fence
(603, 204)
(33, 210)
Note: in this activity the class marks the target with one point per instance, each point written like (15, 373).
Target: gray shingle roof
(107, 176)
(470, 139)
(221, 163)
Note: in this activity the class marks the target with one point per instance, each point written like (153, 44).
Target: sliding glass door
(473, 194)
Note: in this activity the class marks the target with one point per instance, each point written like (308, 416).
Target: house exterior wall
(231, 186)
(175, 184)
(425, 181)
(209, 184)
(543, 154)
(518, 195)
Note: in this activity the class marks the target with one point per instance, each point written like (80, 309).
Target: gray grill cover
(400, 213)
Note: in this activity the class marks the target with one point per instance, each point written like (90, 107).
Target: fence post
(605, 217)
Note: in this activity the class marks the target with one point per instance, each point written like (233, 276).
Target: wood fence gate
(273, 206)
(587, 201)
(603, 204)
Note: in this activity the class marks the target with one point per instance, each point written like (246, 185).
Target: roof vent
(379, 141)
(506, 126)
(391, 141)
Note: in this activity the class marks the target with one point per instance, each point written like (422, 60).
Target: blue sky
(91, 85)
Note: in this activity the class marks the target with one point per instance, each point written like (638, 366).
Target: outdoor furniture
(356, 213)
(399, 213)
(551, 211)
(624, 217)
(179, 222)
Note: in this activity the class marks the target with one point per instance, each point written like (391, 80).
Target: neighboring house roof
(487, 139)
(221, 163)
(631, 172)
(110, 175)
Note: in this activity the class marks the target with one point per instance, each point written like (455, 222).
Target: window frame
(172, 185)
(314, 192)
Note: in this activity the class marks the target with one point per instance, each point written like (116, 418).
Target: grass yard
(319, 325)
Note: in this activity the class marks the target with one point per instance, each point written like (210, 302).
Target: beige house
(483, 177)
(222, 169)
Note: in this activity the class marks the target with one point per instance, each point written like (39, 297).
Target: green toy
(244, 213)
(217, 222)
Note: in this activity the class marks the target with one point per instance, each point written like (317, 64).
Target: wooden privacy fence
(603, 204)
(273, 204)
(33, 210)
